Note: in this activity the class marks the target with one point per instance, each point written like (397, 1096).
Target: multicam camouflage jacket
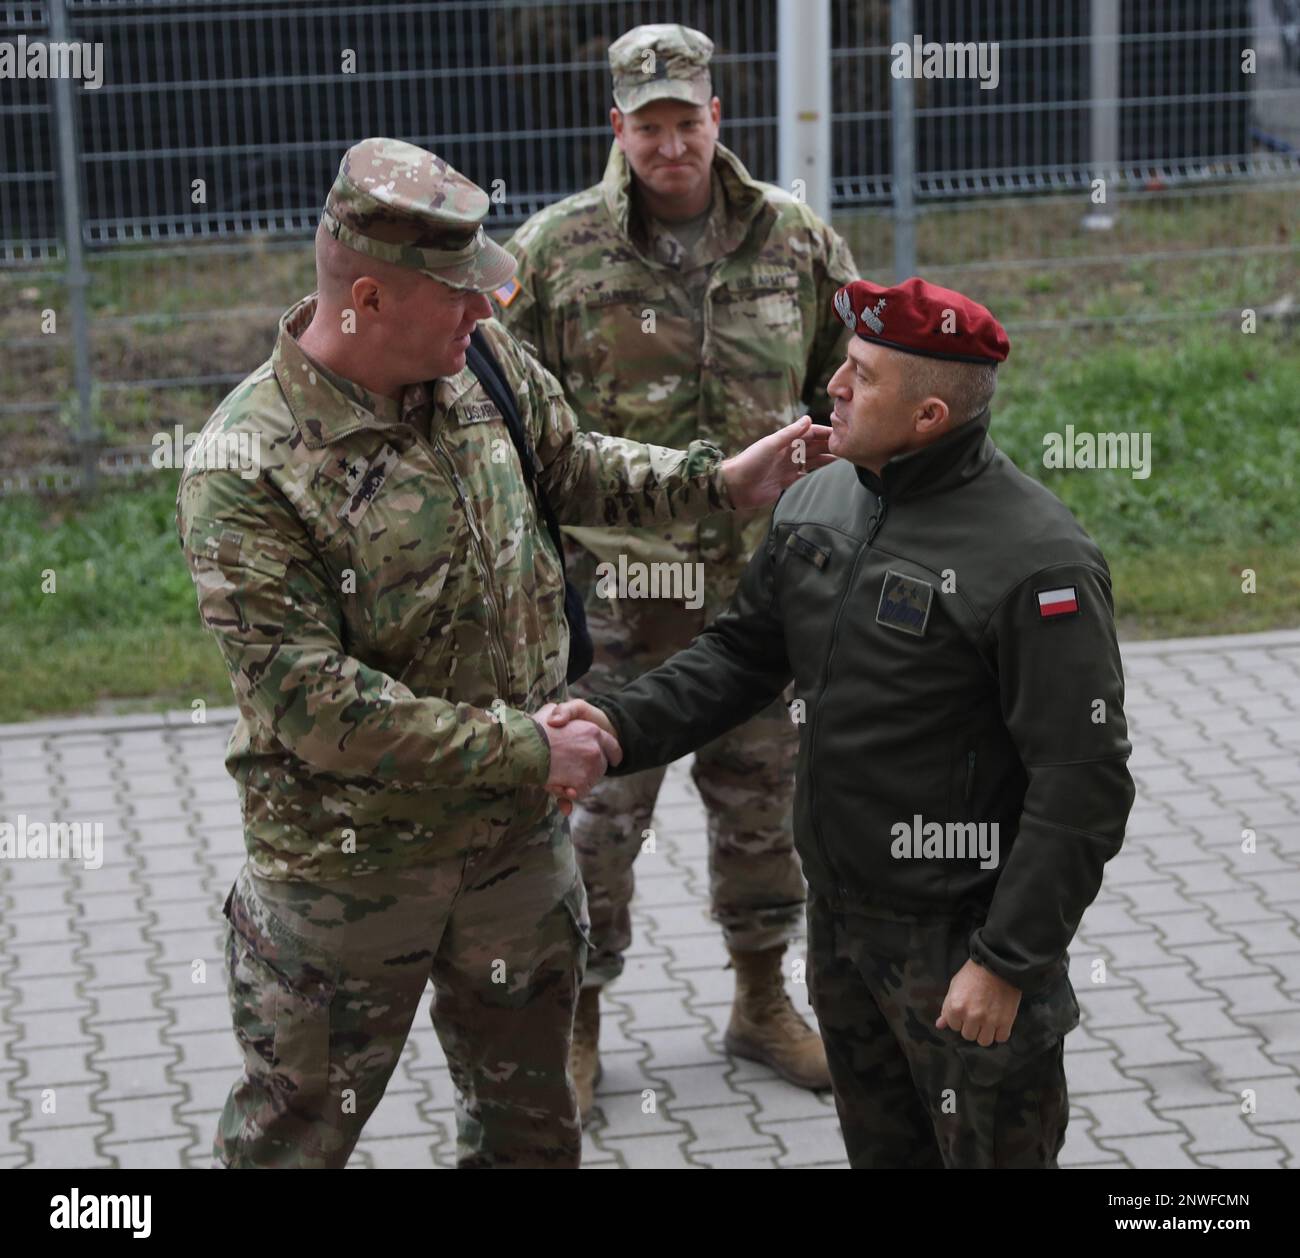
(726, 342)
(388, 605)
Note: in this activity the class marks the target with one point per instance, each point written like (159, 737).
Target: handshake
(583, 746)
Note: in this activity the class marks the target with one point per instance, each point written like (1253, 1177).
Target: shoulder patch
(1062, 601)
(508, 292)
(905, 603)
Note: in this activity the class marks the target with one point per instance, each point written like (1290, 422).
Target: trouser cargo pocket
(280, 997)
(1042, 1021)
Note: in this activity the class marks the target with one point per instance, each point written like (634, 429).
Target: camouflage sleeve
(520, 306)
(599, 481)
(274, 612)
(834, 268)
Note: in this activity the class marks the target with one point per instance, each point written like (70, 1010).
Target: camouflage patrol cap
(405, 205)
(663, 61)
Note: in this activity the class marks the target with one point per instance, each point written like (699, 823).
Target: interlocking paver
(647, 1152)
(1219, 1129)
(1147, 1152)
(808, 1141)
(1259, 1159)
(1145, 1045)
(1239, 1058)
(1114, 1007)
(1287, 1135)
(740, 1159)
(1198, 1020)
(1263, 994)
(1174, 1085)
(1126, 1114)
(1267, 939)
(1095, 1071)
(138, 1076)
(688, 1087)
(715, 1129)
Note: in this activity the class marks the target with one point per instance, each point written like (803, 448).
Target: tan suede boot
(766, 1027)
(584, 1056)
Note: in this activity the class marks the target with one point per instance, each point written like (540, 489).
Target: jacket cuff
(607, 705)
(528, 748)
(722, 489)
(1028, 979)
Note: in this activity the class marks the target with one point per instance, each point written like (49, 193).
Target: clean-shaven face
(669, 145)
(873, 416)
(430, 325)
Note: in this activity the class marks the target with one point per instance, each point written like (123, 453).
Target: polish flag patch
(1060, 602)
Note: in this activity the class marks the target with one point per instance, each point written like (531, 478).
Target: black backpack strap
(483, 363)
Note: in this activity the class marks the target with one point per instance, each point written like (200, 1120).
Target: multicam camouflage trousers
(909, 1095)
(745, 778)
(324, 981)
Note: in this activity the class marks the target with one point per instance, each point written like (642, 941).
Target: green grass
(1225, 449)
(121, 623)
(121, 630)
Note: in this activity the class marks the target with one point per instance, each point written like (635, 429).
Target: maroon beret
(921, 318)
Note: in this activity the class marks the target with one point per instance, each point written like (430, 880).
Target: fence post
(902, 134)
(65, 110)
(1103, 59)
(804, 100)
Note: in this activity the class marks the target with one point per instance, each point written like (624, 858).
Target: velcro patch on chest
(905, 603)
(805, 549)
(478, 413)
(365, 483)
(1062, 601)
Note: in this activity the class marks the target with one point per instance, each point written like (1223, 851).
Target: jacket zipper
(873, 529)
(877, 520)
(970, 775)
(500, 668)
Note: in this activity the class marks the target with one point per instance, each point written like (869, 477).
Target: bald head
(338, 268)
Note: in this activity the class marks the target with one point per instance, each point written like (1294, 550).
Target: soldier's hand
(757, 475)
(581, 710)
(979, 1005)
(580, 753)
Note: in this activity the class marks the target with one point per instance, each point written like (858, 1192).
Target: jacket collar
(325, 406)
(952, 461)
(742, 194)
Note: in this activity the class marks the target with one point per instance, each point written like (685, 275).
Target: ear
(365, 294)
(616, 121)
(931, 417)
(715, 111)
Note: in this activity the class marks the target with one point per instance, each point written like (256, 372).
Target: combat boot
(584, 1056)
(766, 1027)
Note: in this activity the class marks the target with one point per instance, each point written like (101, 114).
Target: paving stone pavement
(118, 1051)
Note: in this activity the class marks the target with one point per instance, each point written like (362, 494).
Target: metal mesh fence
(202, 159)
